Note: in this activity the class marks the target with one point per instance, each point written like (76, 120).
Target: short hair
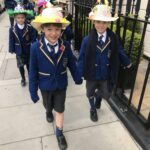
(20, 14)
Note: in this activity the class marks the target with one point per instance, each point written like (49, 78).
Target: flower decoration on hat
(50, 15)
(19, 9)
(102, 12)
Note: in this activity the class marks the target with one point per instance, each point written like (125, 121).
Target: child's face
(52, 33)
(20, 19)
(101, 26)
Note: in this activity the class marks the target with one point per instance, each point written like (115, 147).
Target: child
(20, 38)
(50, 57)
(99, 58)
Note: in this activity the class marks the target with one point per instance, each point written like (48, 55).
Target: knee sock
(92, 104)
(59, 131)
(22, 72)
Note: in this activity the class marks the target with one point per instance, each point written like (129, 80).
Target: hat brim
(39, 20)
(12, 13)
(106, 19)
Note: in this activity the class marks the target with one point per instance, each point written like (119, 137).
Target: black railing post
(137, 8)
(143, 88)
(119, 14)
(128, 8)
(113, 11)
(140, 46)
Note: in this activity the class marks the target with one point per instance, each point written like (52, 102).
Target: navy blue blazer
(17, 45)
(102, 60)
(49, 74)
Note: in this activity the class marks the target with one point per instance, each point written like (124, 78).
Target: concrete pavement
(23, 124)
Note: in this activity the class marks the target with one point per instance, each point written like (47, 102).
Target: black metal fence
(128, 12)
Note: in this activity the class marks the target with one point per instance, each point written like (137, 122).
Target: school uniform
(48, 71)
(99, 64)
(20, 41)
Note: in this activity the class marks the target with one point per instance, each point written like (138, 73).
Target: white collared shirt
(104, 36)
(20, 26)
(56, 48)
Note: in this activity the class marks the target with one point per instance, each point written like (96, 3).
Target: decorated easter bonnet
(44, 3)
(50, 15)
(19, 10)
(102, 12)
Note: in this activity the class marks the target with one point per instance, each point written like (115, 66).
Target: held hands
(129, 66)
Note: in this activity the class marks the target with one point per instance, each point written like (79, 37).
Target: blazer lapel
(16, 33)
(25, 31)
(61, 50)
(45, 51)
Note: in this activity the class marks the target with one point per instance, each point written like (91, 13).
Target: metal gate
(133, 88)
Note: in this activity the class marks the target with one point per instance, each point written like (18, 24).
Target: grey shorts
(97, 88)
(54, 100)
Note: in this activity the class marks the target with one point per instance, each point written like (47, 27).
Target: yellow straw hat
(101, 12)
(50, 15)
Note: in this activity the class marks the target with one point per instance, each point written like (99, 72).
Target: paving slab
(32, 144)
(77, 114)
(23, 122)
(111, 136)
(14, 95)
(11, 73)
(75, 90)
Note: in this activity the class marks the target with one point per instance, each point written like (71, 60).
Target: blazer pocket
(44, 74)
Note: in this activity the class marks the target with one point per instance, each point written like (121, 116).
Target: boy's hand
(129, 66)
(35, 98)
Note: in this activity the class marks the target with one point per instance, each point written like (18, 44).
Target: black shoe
(93, 115)
(98, 103)
(23, 82)
(62, 142)
(49, 117)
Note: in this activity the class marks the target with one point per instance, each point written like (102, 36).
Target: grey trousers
(97, 88)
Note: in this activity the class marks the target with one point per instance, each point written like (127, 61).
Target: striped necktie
(52, 48)
(100, 41)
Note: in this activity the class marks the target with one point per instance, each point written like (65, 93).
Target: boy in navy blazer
(21, 36)
(99, 58)
(50, 58)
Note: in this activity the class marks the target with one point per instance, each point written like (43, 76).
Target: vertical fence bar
(140, 47)
(119, 14)
(128, 8)
(144, 87)
(113, 11)
(133, 5)
(148, 122)
(137, 8)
